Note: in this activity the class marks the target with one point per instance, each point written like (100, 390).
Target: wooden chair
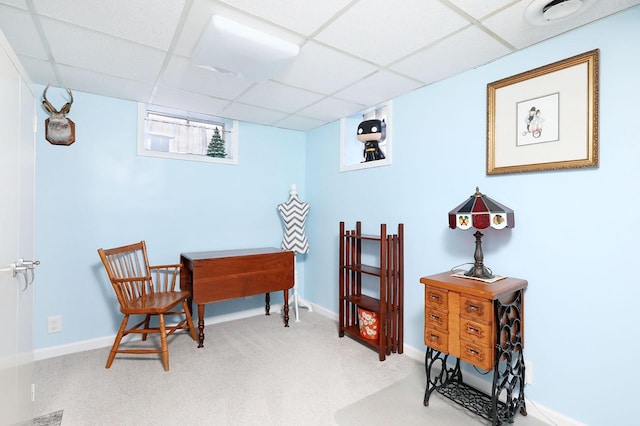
(145, 290)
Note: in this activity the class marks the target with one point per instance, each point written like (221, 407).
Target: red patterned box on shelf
(368, 324)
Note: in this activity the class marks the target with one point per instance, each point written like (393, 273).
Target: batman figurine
(371, 133)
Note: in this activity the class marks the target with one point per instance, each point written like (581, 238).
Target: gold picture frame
(546, 118)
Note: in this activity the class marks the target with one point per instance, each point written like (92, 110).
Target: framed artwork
(365, 139)
(544, 119)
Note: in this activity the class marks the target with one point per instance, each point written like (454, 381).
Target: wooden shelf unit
(390, 272)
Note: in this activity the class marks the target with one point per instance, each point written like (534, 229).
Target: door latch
(23, 267)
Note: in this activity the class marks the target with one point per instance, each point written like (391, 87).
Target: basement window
(358, 155)
(179, 135)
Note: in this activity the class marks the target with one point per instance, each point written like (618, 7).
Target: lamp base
(479, 271)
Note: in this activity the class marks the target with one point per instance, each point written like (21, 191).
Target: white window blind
(167, 133)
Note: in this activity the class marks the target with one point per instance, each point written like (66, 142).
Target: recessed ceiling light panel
(229, 47)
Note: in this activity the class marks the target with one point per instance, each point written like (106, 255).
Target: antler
(52, 110)
(67, 107)
(46, 103)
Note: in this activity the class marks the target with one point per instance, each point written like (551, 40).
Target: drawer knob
(434, 338)
(472, 308)
(475, 353)
(471, 329)
(436, 318)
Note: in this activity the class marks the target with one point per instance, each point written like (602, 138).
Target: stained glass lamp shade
(480, 212)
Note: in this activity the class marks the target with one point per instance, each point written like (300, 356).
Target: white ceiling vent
(559, 9)
(229, 47)
(545, 12)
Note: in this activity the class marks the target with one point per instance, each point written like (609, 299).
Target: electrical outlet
(54, 324)
(528, 373)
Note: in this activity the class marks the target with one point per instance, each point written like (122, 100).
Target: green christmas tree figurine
(216, 146)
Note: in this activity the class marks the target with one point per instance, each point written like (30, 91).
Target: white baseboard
(323, 311)
(534, 409)
(101, 342)
(71, 348)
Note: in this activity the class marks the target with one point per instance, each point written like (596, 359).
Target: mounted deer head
(59, 130)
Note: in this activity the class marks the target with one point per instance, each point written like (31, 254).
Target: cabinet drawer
(477, 309)
(434, 318)
(435, 298)
(475, 332)
(478, 355)
(436, 339)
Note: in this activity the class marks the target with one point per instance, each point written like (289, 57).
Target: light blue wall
(98, 193)
(575, 239)
(576, 236)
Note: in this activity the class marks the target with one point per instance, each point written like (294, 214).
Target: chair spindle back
(129, 272)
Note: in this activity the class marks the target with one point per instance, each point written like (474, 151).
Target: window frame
(351, 147)
(231, 130)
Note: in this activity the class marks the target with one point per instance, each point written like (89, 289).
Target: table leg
(267, 306)
(440, 376)
(286, 308)
(200, 326)
(186, 283)
(509, 370)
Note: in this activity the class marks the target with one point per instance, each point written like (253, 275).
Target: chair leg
(116, 342)
(192, 329)
(147, 321)
(163, 340)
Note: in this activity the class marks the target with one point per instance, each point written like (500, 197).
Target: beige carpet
(252, 371)
(404, 400)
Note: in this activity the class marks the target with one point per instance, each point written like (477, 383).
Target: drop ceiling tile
(148, 22)
(39, 71)
(93, 51)
(324, 70)
(331, 109)
(253, 114)
(18, 26)
(113, 45)
(380, 87)
(278, 97)
(103, 84)
(22, 4)
(304, 17)
(382, 31)
(188, 101)
(480, 9)
(510, 25)
(181, 74)
(472, 46)
(296, 122)
(506, 23)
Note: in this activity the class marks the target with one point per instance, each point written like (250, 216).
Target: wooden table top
(470, 286)
(200, 255)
